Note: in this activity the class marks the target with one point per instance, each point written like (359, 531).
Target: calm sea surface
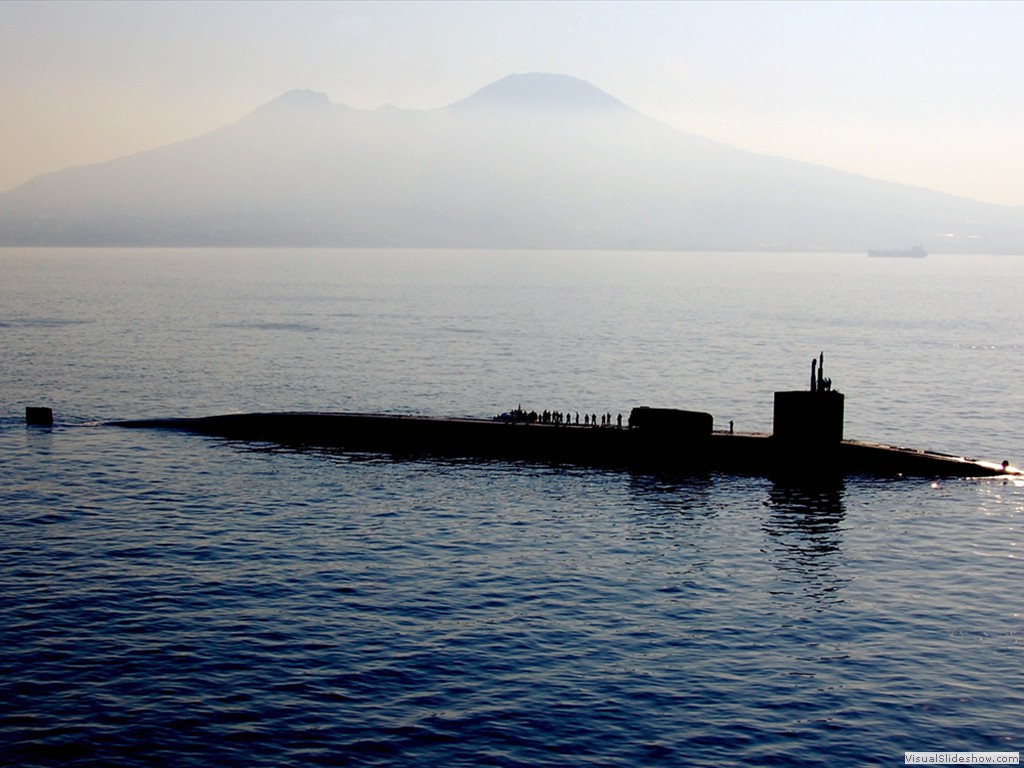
(168, 599)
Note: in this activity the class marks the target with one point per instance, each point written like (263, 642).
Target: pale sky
(923, 93)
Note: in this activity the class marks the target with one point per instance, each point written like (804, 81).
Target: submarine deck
(740, 453)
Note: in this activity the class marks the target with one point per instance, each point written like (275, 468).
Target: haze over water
(169, 598)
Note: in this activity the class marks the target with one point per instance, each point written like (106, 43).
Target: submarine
(806, 441)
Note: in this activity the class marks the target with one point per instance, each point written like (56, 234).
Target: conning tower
(810, 417)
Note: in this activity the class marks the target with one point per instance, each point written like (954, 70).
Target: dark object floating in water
(39, 417)
(807, 440)
(917, 252)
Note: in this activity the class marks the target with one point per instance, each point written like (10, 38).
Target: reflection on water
(672, 494)
(804, 530)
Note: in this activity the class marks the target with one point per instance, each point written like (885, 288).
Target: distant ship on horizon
(917, 252)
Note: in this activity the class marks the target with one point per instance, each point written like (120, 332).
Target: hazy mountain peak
(540, 91)
(530, 161)
(303, 99)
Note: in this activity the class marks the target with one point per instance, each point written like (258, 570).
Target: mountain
(531, 161)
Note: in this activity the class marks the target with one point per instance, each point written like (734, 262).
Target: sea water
(169, 599)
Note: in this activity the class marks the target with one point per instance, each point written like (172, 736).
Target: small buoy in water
(39, 416)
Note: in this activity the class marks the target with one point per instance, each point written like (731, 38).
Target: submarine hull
(686, 450)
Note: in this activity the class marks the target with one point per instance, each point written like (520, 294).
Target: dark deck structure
(638, 448)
